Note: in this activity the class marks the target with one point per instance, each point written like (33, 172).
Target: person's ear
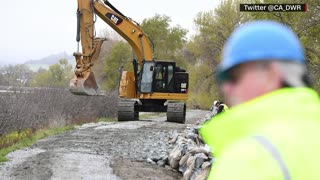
(275, 75)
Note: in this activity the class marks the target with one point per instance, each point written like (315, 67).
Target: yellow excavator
(152, 86)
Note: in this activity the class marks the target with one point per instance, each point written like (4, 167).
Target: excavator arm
(83, 82)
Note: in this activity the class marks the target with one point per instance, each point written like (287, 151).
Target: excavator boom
(83, 82)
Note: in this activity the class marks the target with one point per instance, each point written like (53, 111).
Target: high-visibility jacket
(273, 137)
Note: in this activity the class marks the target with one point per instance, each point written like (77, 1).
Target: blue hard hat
(260, 41)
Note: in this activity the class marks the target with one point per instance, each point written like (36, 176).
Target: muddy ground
(105, 150)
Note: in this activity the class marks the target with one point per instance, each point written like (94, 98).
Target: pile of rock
(186, 153)
(190, 155)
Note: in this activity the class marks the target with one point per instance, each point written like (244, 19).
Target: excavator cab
(158, 87)
(163, 77)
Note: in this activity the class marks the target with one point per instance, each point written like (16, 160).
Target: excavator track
(176, 112)
(127, 110)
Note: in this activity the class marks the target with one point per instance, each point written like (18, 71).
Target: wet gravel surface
(106, 150)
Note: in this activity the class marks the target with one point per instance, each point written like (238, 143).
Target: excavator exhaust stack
(85, 85)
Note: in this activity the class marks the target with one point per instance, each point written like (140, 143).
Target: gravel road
(105, 150)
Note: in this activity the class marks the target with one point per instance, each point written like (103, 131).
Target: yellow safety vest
(273, 137)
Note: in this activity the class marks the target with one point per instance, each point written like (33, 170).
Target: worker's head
(260, 57)
(216, 103)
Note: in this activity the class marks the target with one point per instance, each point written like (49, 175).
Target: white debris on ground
(190, 155)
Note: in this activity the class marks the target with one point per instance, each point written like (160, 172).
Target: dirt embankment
(113, 150)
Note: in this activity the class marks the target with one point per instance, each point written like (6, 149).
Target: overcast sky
(32, 29)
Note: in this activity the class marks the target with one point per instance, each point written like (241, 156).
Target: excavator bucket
(85, 85)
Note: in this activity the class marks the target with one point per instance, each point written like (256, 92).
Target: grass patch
(15, 140)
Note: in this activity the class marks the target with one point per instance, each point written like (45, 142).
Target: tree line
(57, 75)
(199, 54)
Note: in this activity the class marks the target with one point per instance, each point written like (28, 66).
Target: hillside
(45, 62)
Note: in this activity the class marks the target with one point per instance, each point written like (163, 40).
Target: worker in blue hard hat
(272, 129)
